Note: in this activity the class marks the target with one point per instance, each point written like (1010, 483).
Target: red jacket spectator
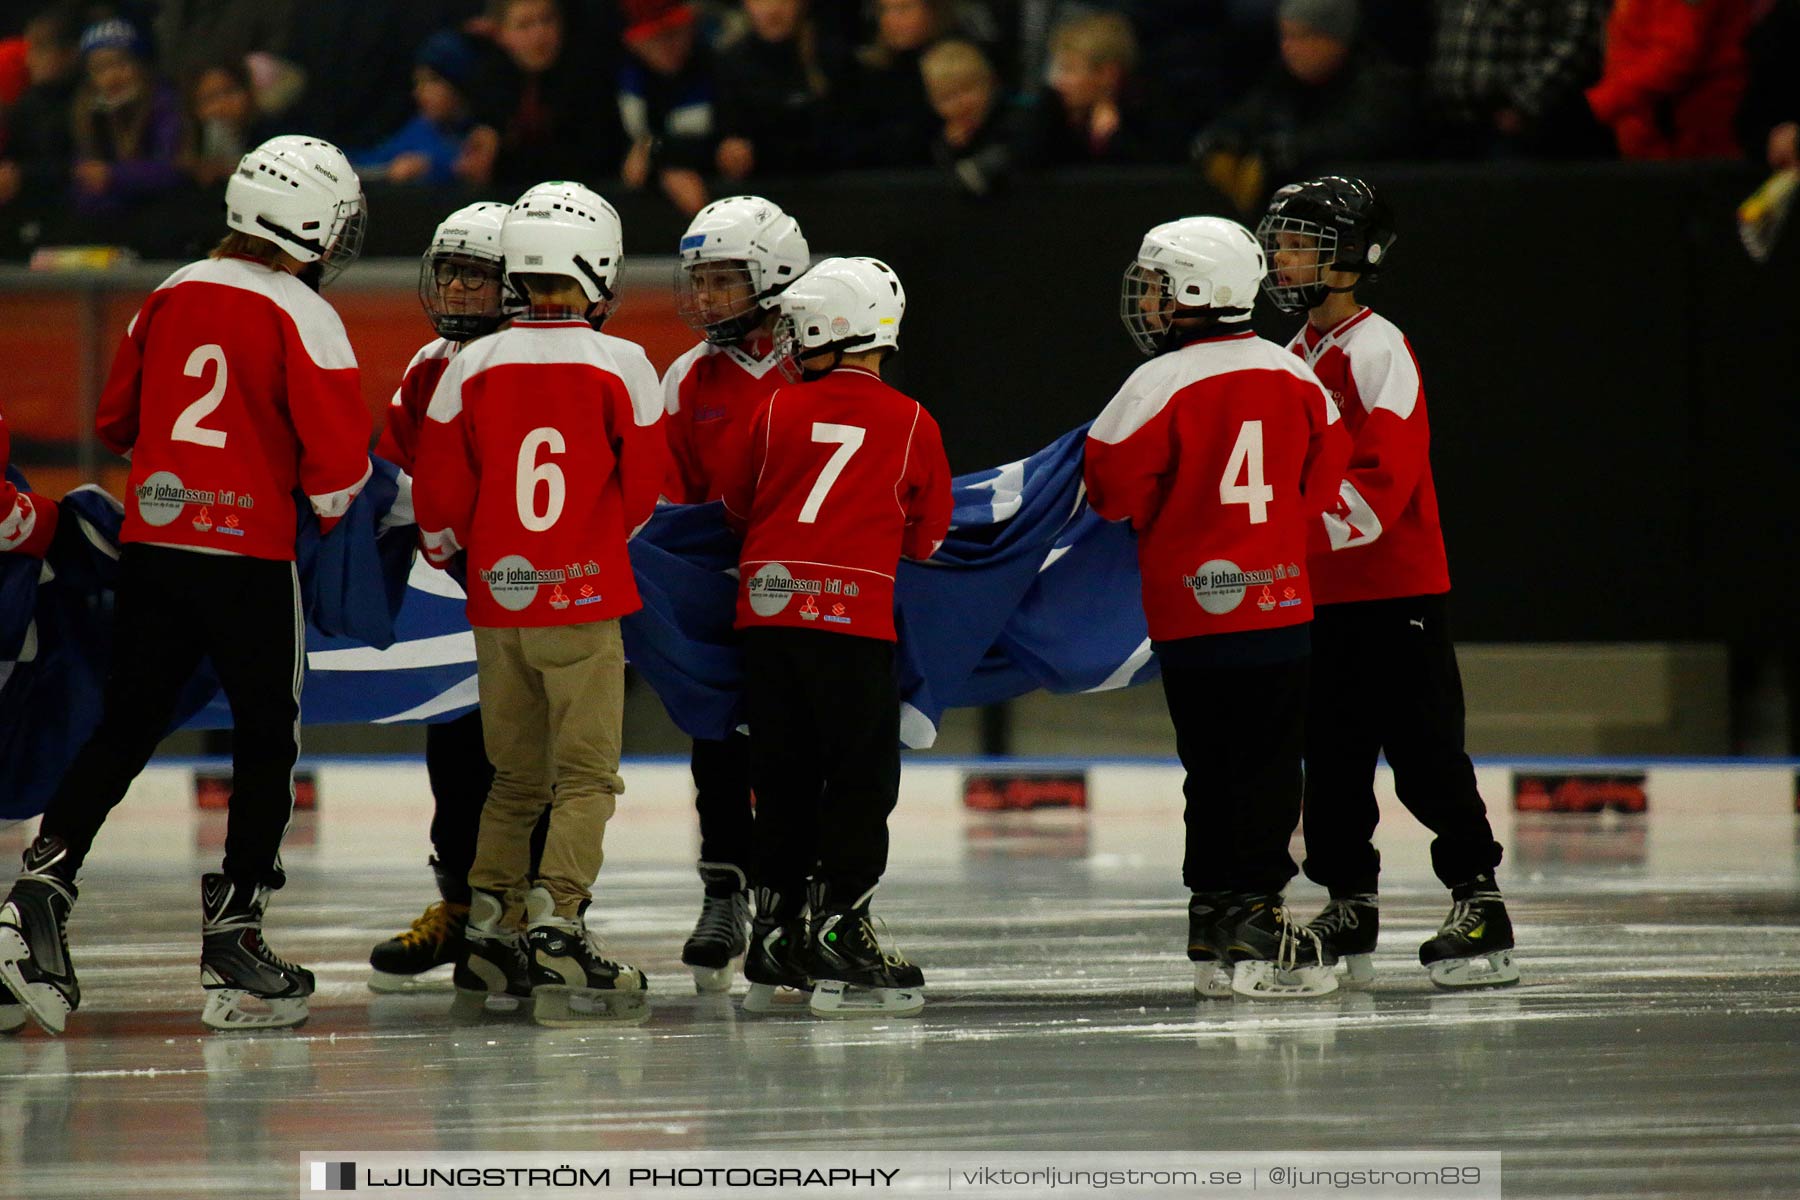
(1674, 75)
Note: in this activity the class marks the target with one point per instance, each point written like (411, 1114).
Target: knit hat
(112, 34)
(1335, 19)
(448, 54)
(647, 18)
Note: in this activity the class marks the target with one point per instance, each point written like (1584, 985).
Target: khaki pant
(552, 706)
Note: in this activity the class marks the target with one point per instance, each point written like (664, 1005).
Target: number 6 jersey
(541, 455)
(1219, 453)
(843, 477)
(234, 388)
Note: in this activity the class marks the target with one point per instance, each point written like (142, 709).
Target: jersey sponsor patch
(773, 586)
(162, 497)
(514, 583)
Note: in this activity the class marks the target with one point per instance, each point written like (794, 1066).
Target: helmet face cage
(464, 294)
(718, 298)
(346, 242)
(1300, 252)
(1147, 308)
(788, 349)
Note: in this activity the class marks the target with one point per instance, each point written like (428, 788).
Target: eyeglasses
(472, 274)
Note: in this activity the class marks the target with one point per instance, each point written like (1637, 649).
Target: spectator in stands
(1085, 117)
(34, 160)
(540, 111)
(975, 133)
(1333, 97)
(126, 123)
(1769, 124)
(666, 95)
(1673, 77)
(426, 148)
(222, 123)
(193, 35)
(894, 121)
(776, 88)
(1507, 79)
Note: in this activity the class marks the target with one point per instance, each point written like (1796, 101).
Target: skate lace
(432, 927)
(253, 941)
(1465, 915)
(721, 917)
(1287, 953)
(893, 957)
(1338, 916)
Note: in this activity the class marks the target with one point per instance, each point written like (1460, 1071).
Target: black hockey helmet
(1352, 228)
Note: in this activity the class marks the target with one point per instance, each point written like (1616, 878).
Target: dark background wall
(1611, 381)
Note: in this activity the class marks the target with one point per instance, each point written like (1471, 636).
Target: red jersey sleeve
(1327, 452)
(1391, 450)
(324, 395)
(927, 479)
(116, 419)
(1130, 454)
(738, 486)
(639, 440)
(27, 520)
(447, 472)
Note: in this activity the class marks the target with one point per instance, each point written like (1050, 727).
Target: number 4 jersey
(541, 455)
(234, 388)
(1220, 453)
(843, 477)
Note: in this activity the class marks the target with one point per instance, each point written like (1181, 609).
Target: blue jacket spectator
(426, 148)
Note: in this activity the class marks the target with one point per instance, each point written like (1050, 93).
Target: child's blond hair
(1102, 38)
(956, 63)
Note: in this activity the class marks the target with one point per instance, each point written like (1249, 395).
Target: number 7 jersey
(1220, 454)
(842, 477)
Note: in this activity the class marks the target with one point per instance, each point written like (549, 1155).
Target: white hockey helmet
(1196, 262)
(462, 275)
(737, 255)
(562, 228)
(300, 193)
(842, 305)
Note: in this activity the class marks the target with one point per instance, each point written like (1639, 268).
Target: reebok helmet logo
(324, 172)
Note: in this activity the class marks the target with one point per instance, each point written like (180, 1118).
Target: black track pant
(824, 757)
(1385, 680)
(1238, 730)
(722, 798)
(457, 764)
(175, 609)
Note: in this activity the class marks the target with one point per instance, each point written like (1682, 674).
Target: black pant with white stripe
(176, 608)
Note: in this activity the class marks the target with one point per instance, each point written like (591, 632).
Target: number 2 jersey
(235, 387)
(1221, 454)
(541, 455)
(1379, 538)
(843, 476)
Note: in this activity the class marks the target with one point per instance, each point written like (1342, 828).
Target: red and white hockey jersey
(1220, 454)
(234, 386)
(541, 455)
(710, 395)
(1381, 539)
(27, 520)
(843, 477)
(399, 442)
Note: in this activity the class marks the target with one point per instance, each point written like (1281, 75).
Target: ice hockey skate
(1347, 927)
(410, 961)
(247, 985)
(1474, 947)
(852, 975)
(573, 983)
(493, 976)
(1210, 918)
(1276, 957)
(36, 972)
(776, 962)
(720, 934)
